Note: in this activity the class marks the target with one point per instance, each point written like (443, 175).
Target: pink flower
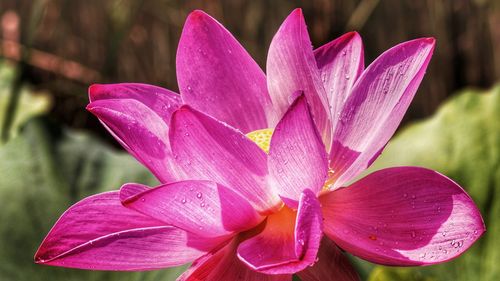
(276, 201)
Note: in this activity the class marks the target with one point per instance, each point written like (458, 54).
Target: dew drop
(199, 195)
(202, 204)
(405, 195)
(183, 201)
(413, 234)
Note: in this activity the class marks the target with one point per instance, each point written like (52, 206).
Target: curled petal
(208, 149)
(374, 109)
(141, 131)
(340, 63)
(291, 67)
(222, 264)
(218, 77)
(297, 157)
(162, 101)
(98, 233)
(205, 208)
(402, 216)
(331, 265)
(289, 240)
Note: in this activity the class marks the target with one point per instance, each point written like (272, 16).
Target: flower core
(262, 138)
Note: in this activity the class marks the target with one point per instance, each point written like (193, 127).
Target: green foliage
(42, 172)
(27, 103)
(461, 141)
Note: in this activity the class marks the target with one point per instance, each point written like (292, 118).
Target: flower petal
(205, 208)
(291, 67)
(218, 77)
(141, 131)
(162, 101)
(98, 233)
(331, 265)
(297, 157)
(340, 63)
(402, 216)
(289, 241)
(222, 264)
(208, 149)
(376, 106)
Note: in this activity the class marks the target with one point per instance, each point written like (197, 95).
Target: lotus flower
(256, 170)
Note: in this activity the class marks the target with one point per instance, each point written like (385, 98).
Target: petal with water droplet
(297, 157)
(218, 77)
(99, 233)
(205, 208)
(369, 117)
(291, 67)
(402, 216)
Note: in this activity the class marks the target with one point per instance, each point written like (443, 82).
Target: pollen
(262, 138)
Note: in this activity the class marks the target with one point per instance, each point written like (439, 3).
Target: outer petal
(217, 76)
(340, 63)
(223, 264)
(205, 208)
(162, 101)
(286, 246)
(291, 67)
(376, 106)
(297, 157)
(331, 265)
(211, 150)
(140, 129)
(98, 233)
(402, 216)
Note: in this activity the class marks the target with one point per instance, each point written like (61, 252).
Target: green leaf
(27, 103)
(42, 172)
(461, 141)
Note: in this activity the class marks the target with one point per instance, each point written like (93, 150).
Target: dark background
(67, 45)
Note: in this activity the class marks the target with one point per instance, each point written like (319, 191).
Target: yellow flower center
(262, 138)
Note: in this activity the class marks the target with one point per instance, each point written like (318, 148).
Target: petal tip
(197, 18)
(94, 90)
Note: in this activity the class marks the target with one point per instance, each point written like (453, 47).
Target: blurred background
(51, 51)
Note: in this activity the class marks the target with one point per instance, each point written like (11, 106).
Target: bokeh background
(53, 152)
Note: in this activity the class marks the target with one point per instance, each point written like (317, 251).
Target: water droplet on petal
(199, 195)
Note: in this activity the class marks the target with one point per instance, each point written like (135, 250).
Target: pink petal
(210, 150)
(223, 264)
(402, 216)
(297, 157)
(218, 77)
(340, 63)
(141, 131)
(376, 106)
(331, 265)
(162, 101)
(205, 208)
(291, 67)
(98, 233)
(286, 246)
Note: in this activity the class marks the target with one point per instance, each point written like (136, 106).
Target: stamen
(262, 138)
